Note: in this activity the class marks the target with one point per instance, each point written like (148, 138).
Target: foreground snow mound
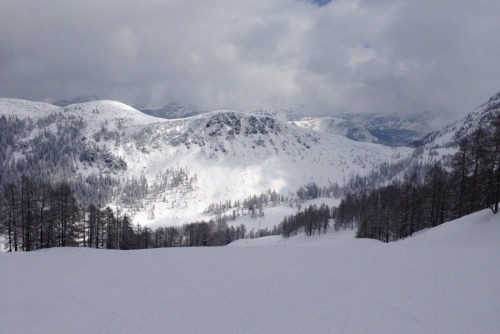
(443, 280)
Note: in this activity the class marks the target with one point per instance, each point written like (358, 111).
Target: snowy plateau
(441, 280)
(224, 155)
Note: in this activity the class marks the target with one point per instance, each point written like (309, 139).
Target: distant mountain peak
(387, 129)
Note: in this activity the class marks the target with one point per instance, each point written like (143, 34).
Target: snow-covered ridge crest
(24, 108)
(107, 111)
(95, 110)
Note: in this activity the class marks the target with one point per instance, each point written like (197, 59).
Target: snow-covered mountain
(214, 157)
(175, 111)
(387, 129)
(459, 129)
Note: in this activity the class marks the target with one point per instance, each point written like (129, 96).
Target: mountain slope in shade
(457, 130)
(442, 280)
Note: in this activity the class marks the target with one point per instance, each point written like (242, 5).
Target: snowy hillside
(337, 126)
(465, 126)
(234, 154)
(23, 108)
(221, 155)
(442, 280)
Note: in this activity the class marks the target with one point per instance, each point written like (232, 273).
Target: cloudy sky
(409, 56)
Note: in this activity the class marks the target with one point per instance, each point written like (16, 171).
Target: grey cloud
(385, 55)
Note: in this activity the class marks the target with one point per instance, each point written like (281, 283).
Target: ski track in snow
(441, 280)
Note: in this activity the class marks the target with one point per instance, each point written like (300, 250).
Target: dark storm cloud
(385, 55)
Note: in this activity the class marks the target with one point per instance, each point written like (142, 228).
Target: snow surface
(442, 280)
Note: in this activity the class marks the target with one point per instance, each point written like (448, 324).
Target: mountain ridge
(222, 155)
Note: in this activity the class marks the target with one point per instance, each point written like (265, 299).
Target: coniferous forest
(396, 211)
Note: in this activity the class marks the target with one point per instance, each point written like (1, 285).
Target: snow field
(442, 280)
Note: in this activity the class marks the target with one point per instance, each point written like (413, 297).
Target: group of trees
(421, 201)
(252, 205)
(311, 220)
(198, 234)
(36, 215)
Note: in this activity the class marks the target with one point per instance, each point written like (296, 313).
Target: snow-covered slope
(235, 154)
(226, 155)
(23, 108)
(111, 114)
(443, 280)
(337, 126)
(465, 126)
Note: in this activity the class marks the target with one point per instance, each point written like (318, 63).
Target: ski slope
(443, 280)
